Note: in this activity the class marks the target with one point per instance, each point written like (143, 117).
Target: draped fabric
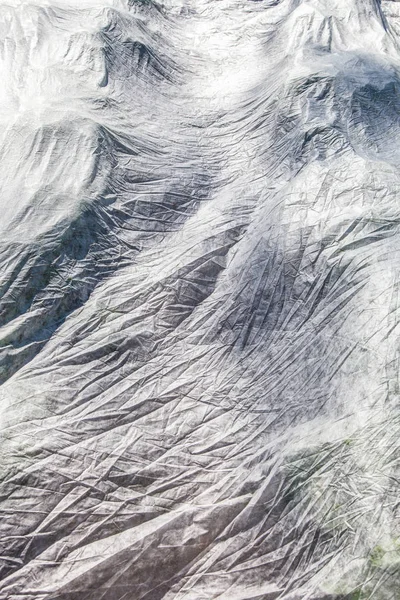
(199, 300)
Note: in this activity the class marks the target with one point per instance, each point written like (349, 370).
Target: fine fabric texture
(199, 300)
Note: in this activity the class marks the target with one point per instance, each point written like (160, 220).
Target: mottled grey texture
(199, 275)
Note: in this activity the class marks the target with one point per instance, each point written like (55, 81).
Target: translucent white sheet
(199, 276)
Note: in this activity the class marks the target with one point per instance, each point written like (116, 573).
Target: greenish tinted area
(356, 595)
(376, 556)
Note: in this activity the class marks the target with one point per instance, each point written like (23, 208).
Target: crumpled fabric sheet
(200, 252)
